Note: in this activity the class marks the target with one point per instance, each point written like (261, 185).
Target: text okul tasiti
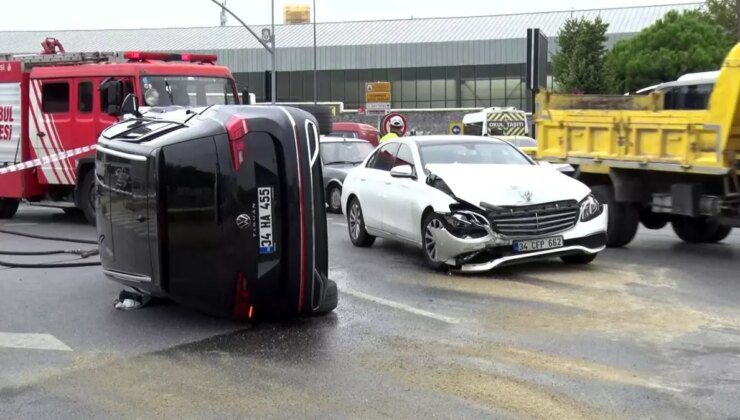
(6, 122)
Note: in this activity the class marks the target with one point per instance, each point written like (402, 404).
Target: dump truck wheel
(698, 230)
(624, 218)
(652, 220)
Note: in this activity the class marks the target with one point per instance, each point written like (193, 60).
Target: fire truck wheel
(87, 196)
(8, 207)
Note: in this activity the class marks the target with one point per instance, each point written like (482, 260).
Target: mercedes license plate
(267, 241)
(538, 244)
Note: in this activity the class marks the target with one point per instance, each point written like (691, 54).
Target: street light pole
(269, 47)
(272, 42)
(315, 78)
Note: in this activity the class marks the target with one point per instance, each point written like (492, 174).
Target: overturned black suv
(218, 208)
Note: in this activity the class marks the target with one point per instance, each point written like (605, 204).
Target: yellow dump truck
(651, 163)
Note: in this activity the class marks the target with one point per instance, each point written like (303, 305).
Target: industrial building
(464, 62)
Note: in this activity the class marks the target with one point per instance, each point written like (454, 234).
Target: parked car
(472, 204)
(352, 130)
(527, 144)
(339, 156)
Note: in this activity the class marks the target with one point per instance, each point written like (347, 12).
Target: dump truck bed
(635, 132)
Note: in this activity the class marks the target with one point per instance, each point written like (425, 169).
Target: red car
(350, 130)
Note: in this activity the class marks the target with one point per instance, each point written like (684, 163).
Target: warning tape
(46, 159)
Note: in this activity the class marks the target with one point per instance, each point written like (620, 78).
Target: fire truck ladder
(60, 59)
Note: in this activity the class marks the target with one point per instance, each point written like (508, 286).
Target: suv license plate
(538, 244)
(267, 241)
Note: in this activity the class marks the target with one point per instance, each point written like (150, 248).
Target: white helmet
(396, 122)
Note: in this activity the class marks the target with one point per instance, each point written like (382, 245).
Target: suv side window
(383, 159)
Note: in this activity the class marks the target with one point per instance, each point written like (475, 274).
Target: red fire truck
(54, 105)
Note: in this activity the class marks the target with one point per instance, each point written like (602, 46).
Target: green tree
(724, 13)
(578, 65)
(678, 43)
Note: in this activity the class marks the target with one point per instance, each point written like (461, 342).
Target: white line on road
(31, 341)
(19, 224)
(400, 306)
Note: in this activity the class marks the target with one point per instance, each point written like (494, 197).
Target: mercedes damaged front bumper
(490, 248)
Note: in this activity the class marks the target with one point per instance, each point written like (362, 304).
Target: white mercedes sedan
(471, 204)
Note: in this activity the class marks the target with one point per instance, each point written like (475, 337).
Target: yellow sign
(378, 87)
(378, 92)
(377, 97)
(457, 128)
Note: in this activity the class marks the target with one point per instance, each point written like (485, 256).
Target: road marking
(400, 306)
(19, 224)
(31, 341)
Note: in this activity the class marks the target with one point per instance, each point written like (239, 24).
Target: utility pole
(223, 14)
(271, 39)
(315, 78)
(272, 42)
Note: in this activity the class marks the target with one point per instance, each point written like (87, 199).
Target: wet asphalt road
(652, 330)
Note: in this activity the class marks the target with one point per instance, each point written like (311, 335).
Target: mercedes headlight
(590, 208)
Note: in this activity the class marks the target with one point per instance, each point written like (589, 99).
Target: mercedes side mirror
(130, 105)
(403, 171)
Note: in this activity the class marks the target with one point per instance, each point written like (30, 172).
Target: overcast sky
(102, 14)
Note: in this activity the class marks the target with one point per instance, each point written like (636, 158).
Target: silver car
(339, 156)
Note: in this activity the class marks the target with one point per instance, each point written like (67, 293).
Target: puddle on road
(503, 377)
(594, 299)
(437, 367)
(179, 385)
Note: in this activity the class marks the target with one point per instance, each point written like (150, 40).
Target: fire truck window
(128, 87)
(55, 97)
(85, 97)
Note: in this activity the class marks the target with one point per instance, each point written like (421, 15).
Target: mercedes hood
(508, 185)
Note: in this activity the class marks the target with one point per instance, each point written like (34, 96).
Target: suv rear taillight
(237, 129)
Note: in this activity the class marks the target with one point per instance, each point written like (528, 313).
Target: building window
(283, 86)
(296, 86)
(395, 77)
(423, 88)
(467, 87)
(453, 88)
(352, 89)
(408, 88)
(55, 97)
(85, 97)
(483, 86)
(324, 86)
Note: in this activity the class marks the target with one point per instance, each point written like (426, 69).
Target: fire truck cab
(54, 106)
